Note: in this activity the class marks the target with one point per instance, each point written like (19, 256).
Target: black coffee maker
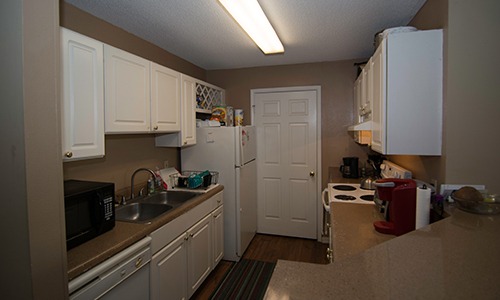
(350, 167)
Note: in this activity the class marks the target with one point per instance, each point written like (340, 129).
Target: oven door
(327, 228)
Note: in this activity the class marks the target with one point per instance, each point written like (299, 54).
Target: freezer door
(247, 145)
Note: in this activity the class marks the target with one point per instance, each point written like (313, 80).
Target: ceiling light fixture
(252, 19)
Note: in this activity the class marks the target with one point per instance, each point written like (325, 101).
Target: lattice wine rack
(207, 97)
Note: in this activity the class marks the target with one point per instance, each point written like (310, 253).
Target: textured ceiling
(201, 32)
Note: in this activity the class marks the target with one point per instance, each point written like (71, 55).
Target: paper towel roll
(423, 207)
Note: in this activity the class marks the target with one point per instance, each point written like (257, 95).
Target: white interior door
(287, 156)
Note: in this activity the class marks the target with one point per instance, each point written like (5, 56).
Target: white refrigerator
(231, 151)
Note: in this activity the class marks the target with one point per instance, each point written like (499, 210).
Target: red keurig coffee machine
(399, 198)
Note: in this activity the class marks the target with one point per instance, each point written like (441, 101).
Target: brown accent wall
(80, 21)
(124, 153)
(337, 82)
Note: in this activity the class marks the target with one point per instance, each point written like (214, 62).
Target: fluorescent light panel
(252, 19)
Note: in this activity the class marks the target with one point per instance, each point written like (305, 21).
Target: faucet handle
(141, 192)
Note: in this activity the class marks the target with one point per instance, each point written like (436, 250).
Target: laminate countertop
(455, 258)
(123, 235)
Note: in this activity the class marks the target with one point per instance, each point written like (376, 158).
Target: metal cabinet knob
(138, 262)
(68, 154)
(311, 173)
(155, 128)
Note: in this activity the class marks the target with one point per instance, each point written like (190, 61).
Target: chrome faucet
(132, 180)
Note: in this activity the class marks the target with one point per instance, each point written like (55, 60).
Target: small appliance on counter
(89, 209)
(400, 197)
(350, 167)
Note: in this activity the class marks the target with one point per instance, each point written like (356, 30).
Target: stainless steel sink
(145, 209)
(141, 212)
(171, 198)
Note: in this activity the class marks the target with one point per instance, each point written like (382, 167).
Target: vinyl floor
(267, 248)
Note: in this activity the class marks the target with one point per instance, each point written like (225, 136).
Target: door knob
(311, 173)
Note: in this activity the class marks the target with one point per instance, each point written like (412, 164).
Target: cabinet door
(188, 110)
(165, 99)
(199, 253)
(127, 93)
(357, 100)
(218, 235)
(169, 272)
(83, 96)
(378, 99)
(368, 98)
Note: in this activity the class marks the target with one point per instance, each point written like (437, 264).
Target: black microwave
(89, 209)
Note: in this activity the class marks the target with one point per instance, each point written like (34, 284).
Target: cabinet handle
(185, 142)
(191, 235)
(311, 174)
(155, 128)
(68, 154)
(138, 262)
(186, 237)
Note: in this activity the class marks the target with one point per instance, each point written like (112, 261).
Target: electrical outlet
(447, 189)
(165, 164)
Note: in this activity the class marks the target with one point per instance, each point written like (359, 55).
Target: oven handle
(384, 184)
(326, 201)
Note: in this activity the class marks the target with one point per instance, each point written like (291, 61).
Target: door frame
(317, 89)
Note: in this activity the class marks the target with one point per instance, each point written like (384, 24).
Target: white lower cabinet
(169, 272)
(187, 252)
(218, 233)
(199, 253)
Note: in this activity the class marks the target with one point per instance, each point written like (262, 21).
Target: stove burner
(367, 197)
(345, 197)
(343, 187)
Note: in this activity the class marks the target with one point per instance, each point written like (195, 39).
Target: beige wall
(32, 214)
(473, 107)
(336, 80)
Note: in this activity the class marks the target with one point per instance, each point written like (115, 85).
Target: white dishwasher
(123, 276)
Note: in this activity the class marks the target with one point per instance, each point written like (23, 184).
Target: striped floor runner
(247, 279)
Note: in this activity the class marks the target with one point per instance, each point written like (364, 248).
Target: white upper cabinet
(365, 100)
(127, 92)
(187, 135)
(407, 94)
(165, 99)
(82, 96)
(188, 110)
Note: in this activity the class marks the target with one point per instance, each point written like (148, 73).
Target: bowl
(489, 205)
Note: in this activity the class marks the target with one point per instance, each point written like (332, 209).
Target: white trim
(319, 177)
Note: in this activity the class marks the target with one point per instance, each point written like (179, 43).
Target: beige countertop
(352, 228)
(124, 234)
(455, 258)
